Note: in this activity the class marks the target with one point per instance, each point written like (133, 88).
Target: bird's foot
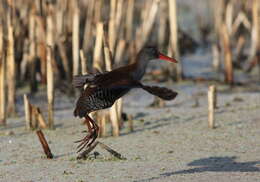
(87, 140)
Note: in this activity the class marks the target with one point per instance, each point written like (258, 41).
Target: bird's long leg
(87, 122)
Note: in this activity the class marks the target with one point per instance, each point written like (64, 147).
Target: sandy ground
(168, 144)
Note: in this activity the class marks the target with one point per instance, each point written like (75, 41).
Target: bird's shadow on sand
(212, 164)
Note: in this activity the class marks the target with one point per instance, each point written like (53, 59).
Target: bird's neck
(138, 69)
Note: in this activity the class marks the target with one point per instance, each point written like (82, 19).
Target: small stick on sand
(211, 101)
(45, 145)
(111, 151)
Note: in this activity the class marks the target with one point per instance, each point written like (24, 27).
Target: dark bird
(103, 89)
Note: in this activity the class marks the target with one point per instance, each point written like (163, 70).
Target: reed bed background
(47, 42)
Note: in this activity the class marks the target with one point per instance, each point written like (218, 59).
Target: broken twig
(45, 145)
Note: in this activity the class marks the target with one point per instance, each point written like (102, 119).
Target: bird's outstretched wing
(162, 92)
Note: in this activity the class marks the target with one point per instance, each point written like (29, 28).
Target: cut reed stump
(2, 81)
(211, 107)
(45, 145)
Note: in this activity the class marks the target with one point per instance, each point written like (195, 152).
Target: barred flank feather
(162, 92)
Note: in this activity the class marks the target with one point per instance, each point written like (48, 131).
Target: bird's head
(149, 53)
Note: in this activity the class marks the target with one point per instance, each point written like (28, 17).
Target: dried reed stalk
(97, 64)
(228, 55)
(50, 69)
(255, 38)
(114, 109)
(218, 14)
(112, 25)
(144, 31)
(102, 117)
(129, 20)
(10, 69)
(2, 80)
(60, 11)
(49, 31)
(174, 36)
(50, 87)
(83, 60)
(103, 125)
(119, 107)
(64, 59)
(41, 45)
(229, 16)
(118, 18)
(75, 39)
(107, 53)
(162, 23)
(32, 50)
(114, 120)
(45, 145)
(88, 25)
(216, 57)
(240, 47)
(211, 101)
(98, 11)
(119, 51)
(25, 58)
(241, 19)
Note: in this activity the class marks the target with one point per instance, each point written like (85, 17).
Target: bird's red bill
(166, 58)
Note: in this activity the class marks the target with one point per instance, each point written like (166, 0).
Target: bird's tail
(162, 92)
